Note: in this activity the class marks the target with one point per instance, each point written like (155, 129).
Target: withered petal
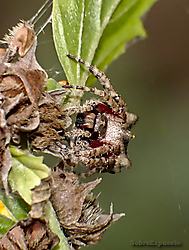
(22, 81)
(16, 236)
(40, 195)
(29, 234)
(68, 198)
(6, 244)
(78, 213)
(6, 164)
(10, 103)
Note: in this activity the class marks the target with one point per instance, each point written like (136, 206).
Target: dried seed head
(68, 196)
(20, 38)
(76, 207)
(29, 234)
(21, 83)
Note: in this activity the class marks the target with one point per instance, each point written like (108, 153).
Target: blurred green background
(153, 77)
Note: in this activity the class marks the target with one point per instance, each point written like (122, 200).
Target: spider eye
(94, 104)
(77, 143)
(120, 110)
(85, 143)
(116, 98)
(62, 176)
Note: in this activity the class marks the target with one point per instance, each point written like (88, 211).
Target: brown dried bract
(29, 234)
(53, 123)
(77, 210)
(20, 38)
(40, 196)
(22, 80)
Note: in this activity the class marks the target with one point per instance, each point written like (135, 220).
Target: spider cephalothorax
(101, 132)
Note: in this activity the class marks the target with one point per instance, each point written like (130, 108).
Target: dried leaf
(22, 80)
(20, 38)
(53, 123)
(78, 213)
(29, 234)
(40, 197)
(68, 196)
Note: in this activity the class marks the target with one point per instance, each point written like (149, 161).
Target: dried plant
(52, 208)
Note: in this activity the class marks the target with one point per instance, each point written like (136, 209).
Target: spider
(101, 132)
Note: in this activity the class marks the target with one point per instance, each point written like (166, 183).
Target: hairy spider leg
(102, 78)
(109, 100)
(94, 159)
(111, 94)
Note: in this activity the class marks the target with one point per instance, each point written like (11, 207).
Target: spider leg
(96, 165)
(110, 95)
(75, 132)
(102, 78)
(94, 158)
(98, 159)
(75, 137)
(108, 98)
(88, 106)
(99, 151)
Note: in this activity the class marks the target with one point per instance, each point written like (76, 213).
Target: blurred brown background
(153, 78)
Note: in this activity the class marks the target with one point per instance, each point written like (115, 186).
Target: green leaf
(26, 172)
(5, 224)
(55, 227)
(96, 31)
(75, 24)
(52, 84)
(12, 209)
(15, 204)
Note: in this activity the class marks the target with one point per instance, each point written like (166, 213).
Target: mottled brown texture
(108, 124)
(40, 196)
(22, 80)
(20, 39)
(68, 196)
(78, 212)
(53, 123)
(29, 234)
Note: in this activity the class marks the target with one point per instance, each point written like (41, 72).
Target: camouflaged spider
(101, 132)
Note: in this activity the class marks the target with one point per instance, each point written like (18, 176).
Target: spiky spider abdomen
(101, 132)
(106, 128)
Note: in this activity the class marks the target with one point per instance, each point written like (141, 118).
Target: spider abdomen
(101, 132)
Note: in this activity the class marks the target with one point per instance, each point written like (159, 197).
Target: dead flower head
(22, 80)
(78, 212)
(29, 234)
